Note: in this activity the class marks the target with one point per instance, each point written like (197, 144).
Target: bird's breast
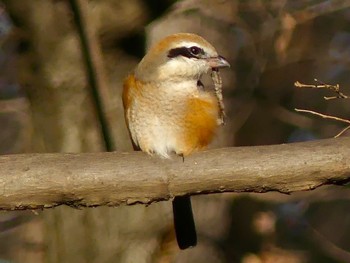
(162, 120)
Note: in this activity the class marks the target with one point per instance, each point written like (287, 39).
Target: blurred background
(54, 99)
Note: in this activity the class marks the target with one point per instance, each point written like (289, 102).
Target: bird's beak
(218, 62)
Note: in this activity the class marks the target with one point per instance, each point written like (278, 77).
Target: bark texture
(94, 179)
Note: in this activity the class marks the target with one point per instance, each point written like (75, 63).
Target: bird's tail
(185, 227)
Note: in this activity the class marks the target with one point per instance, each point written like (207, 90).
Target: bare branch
(323, 115)
(34, 181)
(334, 88)
(328, 117)
(322, 85)
(342, 131)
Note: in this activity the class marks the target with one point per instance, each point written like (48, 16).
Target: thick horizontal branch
(32, 181)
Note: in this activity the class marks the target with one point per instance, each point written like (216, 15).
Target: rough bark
(94, 179)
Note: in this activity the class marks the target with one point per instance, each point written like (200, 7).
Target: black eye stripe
(180, 51)
(191, 52)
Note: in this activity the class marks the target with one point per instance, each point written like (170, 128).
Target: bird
(168, 111)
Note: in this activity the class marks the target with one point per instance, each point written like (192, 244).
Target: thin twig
(342, 131)
(335, 88)
(321, 85)
(328, 117)
(323, 115)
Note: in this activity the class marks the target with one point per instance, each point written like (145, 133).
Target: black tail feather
(185, 227)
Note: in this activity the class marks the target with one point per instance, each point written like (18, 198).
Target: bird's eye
(196, 50)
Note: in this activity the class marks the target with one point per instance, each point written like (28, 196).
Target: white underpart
(153, 127)
(163, 140)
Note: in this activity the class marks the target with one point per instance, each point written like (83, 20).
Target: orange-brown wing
(130, 87)
(201, 122)
(129, 84)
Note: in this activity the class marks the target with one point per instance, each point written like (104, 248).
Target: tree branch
(32, 181)
(323, 115)
(333, 88)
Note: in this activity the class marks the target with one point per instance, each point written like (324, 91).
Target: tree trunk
(65, 120)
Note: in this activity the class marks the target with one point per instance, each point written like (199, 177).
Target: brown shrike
(168, 111)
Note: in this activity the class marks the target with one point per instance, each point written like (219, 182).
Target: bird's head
(179, 57)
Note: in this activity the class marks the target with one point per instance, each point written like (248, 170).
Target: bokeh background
(49, 103)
